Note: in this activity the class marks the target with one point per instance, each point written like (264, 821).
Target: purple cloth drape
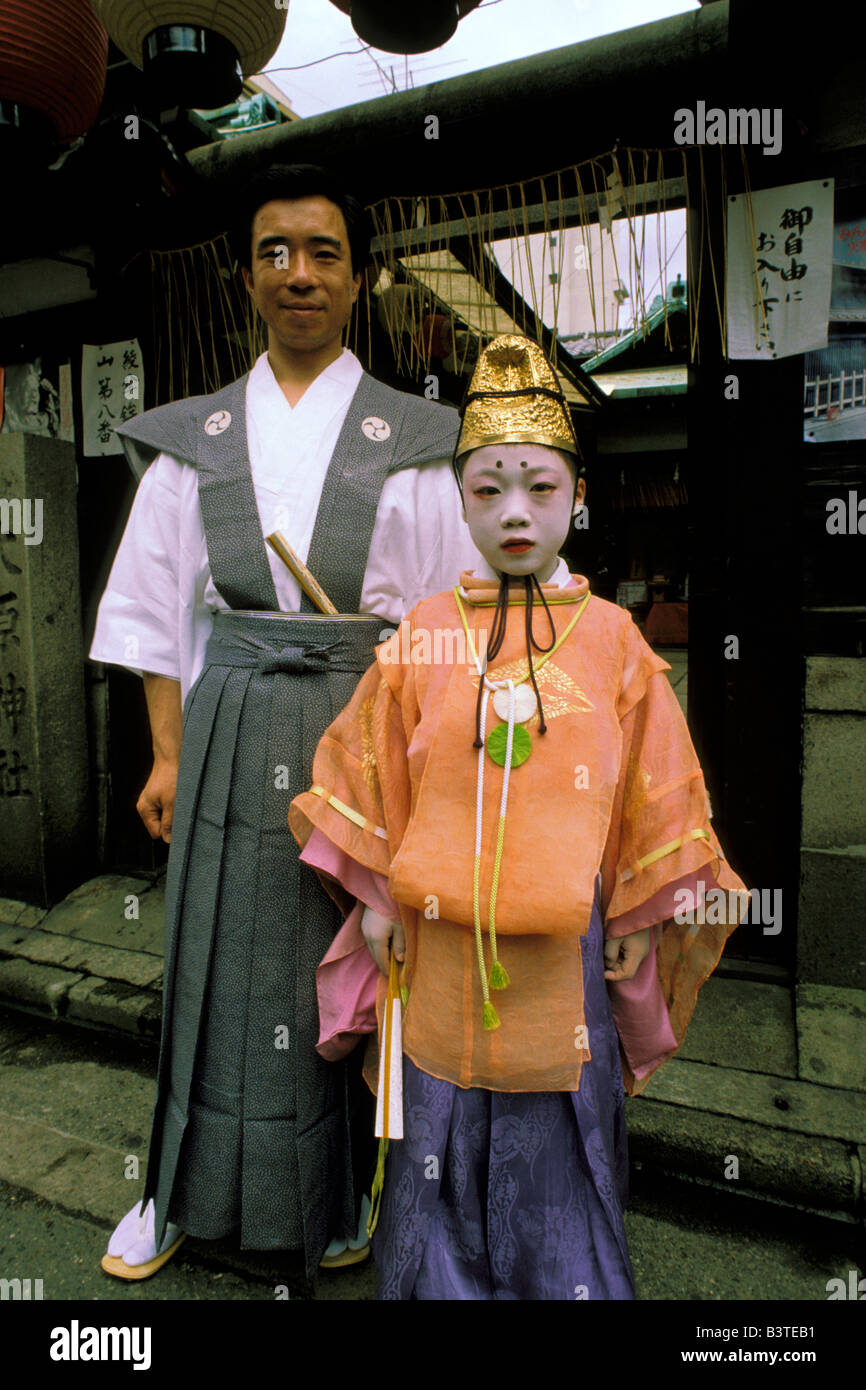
(504, 1195)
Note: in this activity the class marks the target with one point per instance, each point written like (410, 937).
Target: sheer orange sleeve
(360, 794)
(661, 835)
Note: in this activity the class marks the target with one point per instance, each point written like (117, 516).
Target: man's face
(518, 503)
(301, 277)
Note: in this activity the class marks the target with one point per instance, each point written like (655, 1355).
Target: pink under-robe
(346, 978)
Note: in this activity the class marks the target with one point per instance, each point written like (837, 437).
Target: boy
(585, 806)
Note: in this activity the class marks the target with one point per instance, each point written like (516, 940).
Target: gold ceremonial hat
(514, 397)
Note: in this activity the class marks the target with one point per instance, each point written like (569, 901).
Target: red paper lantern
(53, 60)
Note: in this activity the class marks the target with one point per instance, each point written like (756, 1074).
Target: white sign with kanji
(779, 270)
(112, 390)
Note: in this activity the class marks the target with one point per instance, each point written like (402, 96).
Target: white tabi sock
(362, 1239)
(134, 1238)
(359, 1240)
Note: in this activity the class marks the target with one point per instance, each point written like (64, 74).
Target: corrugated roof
(673, 308)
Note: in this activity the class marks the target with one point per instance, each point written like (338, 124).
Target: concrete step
(764, 1097)
(94, 959)
(74, 1125)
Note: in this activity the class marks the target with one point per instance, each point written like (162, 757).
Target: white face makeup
(518, 502)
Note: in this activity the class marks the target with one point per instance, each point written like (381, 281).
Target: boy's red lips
(517, 544)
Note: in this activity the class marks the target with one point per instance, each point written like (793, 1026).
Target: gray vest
(384, 431)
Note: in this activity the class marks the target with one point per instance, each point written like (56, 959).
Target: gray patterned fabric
(232, 527)
(429, 430)
(251, 1129)
(353, 484)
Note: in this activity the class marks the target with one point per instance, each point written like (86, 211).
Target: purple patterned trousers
(512, 1195)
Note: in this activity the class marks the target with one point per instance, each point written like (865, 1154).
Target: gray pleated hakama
(264, 1148)
(251, 1130)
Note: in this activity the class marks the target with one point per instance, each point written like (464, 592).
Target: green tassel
(404, 995)
(498, 976)
(490, 1016)
(378, 1185)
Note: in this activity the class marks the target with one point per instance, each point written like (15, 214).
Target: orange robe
(612, 788)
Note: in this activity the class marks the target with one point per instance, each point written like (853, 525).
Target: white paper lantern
(195, 52)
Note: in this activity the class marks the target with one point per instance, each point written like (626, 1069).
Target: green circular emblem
(497, 742)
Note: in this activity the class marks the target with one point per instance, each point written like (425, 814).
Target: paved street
(75, 1110)
(682, 1245)
(40, 1241)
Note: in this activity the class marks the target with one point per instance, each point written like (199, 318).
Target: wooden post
(745, 445)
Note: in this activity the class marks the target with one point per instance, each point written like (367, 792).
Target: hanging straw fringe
(453, 276)
(206, 332)
(437, 263)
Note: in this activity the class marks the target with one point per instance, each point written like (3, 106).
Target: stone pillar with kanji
(44, 841)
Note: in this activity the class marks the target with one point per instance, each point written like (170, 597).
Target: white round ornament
(525, 703)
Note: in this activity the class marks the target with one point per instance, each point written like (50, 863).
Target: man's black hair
(286, 182)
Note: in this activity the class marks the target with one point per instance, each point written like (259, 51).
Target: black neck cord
(497, 637)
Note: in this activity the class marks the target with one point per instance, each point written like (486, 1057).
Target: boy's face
(518, 501)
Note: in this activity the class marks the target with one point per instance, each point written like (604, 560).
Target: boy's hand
(381, 935)
(623, 954)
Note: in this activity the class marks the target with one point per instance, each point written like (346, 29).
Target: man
(251, 1128)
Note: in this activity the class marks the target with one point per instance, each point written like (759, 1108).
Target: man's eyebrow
(319, 240)
(322, 240)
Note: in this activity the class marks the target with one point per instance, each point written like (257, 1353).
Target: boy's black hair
(286, 182)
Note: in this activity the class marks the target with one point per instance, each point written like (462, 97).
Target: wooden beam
(508, 121)
(643, 198)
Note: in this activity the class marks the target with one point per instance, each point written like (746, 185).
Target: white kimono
(155, 614)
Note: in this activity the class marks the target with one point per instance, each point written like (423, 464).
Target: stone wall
(44, 845)
(831, 946)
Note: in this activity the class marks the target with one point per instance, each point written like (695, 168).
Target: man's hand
(156, 803)
(623, 954)
(381, 934)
